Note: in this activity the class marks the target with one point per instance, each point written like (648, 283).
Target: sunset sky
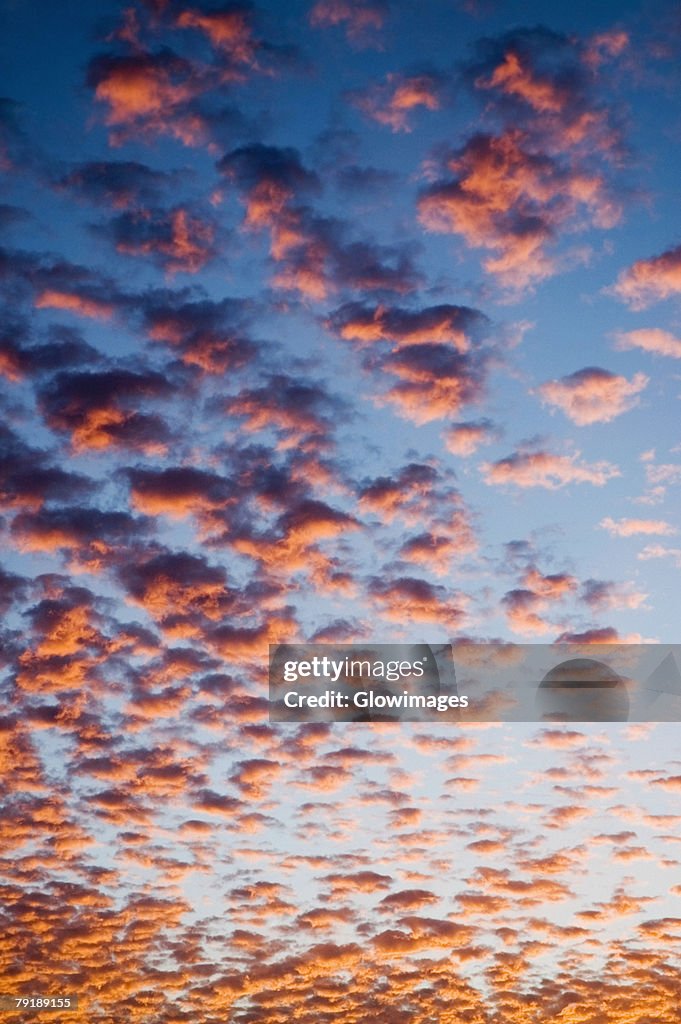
(347, 320)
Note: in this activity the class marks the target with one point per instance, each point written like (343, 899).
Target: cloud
(597, 635)
(460, 326)
(522, 607)
(292, 545)
(524, 604)
(660, 551)
(211, 335)
(29, 477)
(269, 175)
(546, 170)
(12, 588)
(407, 598)
(650, 339)
(178, 491)
(404, 492)
(602, 595)
(94, 408)
(148, 94)
(302, 413)
(465, 438)
(436, 549)
(362, 20)
(391, 103)
(316, 254)
(173, 586)
(634, 527)
(650, 280)
(546, 469)
(435, 381)
(547, 83)
(90, 533)
(72, 302)
(117, 183)
(593, 395)
(176, 240)
(500, 194)
(439, 354)
(229, 31)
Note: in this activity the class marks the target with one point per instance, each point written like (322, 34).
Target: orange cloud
(416, 600)
(390, 104)
(460, 326)
(515, 77)
(229, 31)
(436, 550)
(149, 93)
(74, 303)
(593, 395)
(502, 195)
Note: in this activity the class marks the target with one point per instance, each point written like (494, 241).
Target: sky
(334, 321)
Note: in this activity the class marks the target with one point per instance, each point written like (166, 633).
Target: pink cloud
(633, 527)
(651, 339)
(361, 19)
(465, 438)
(546, 469)
(593, 395)
(651, 280)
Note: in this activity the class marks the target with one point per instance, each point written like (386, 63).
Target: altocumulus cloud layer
(340, 320)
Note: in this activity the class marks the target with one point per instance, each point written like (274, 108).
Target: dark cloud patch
(318, 257)
(256, 166)
(546, 83)
(10, 216)
(117, 183)
(29, 477)
(213, 336)
(178, 490)
(12, 588)
(179, 590)
(355, 178)
(15, 152)
(65, 348)
(97, 409)
(435, 381)
(316, 254)
(95, 531)
(176, 240)
(298, 410)
(440, 354)
(409, 486)
(409, 598)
